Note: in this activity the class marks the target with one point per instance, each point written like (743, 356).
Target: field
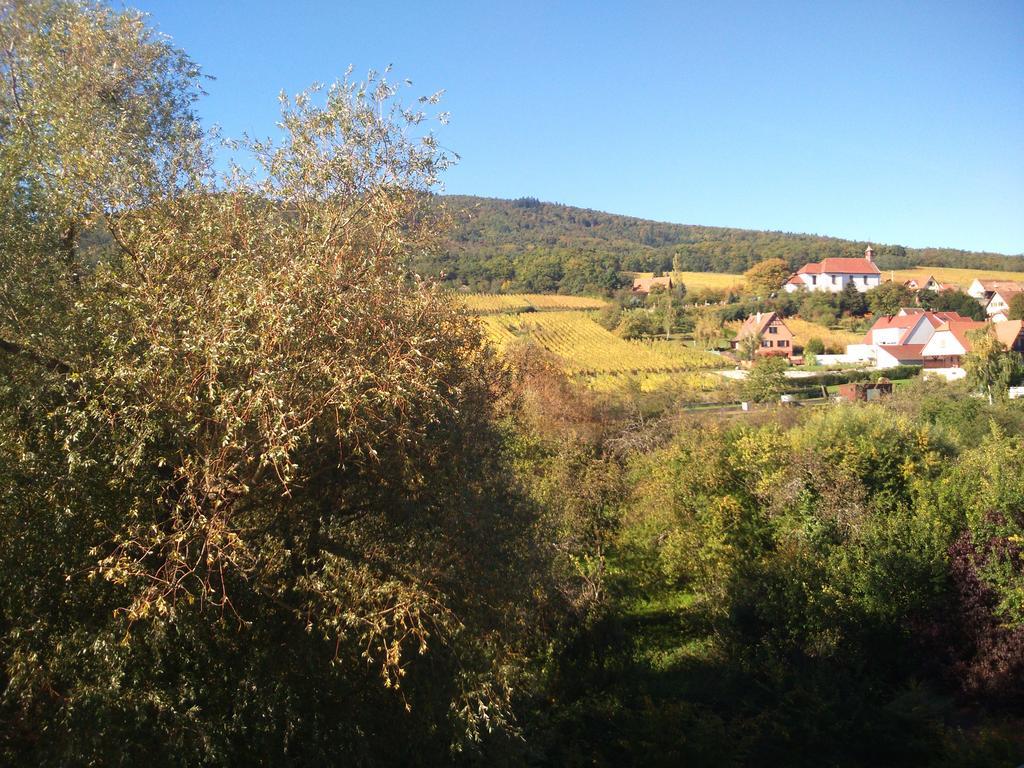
(693, 280)
(588, 349)
(804, 330)
(961, 277)
(485, 303)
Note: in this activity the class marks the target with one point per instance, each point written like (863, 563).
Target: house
(776, 338)
(930, 284)
(900, 339)
(1010, 334)
(910, 326)
(982, 290)
(998, 305)
(643, 285)
(834, 274)
(864, 390)
(949, 344)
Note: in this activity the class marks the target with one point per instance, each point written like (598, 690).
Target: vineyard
(487, 303)
(588, 349)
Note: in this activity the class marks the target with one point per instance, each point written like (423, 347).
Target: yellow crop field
(482, 303)
(805, 330)
(720, 281)
(961, 277)
(588, 349)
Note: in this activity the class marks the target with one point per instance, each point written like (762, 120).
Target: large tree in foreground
(253, 497)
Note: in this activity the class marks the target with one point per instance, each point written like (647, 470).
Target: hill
(531, 246)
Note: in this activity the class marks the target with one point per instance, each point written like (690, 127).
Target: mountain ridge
(526, 244)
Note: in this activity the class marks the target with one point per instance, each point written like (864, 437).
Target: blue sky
(895, 122)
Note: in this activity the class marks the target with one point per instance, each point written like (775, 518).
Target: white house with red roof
(945, 349)
(834, 274)
(897, 339)
(998, 306)
(983, 290)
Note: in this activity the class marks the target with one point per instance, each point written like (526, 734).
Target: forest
(268, 496)
(525, 245)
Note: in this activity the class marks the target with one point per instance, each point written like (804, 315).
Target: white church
(834, 274)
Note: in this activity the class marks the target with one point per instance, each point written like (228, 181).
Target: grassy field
(694, 280)
(961, 277)
(804, 330)
(588, 349)
(484, 303)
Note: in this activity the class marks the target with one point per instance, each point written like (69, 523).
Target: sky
(892, 122)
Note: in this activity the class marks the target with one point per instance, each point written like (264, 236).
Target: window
(814, 279)
(782, 343)
(766, 343)
(835, 279)
(773, 329)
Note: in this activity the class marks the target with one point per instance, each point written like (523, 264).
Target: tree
(852, 302)
(815, 346)
(766, 277)
(958, 301)
(1016, 307)
(708, 330)
(888, 298)
(749, 345)
(766, 380)
(990, 366)
(242, 425)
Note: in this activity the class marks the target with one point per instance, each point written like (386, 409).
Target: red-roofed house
(931, 284)
(776, 338)
(949, 344)
(982, 290)
(998, 306)
(1011, 334)
(834, 274)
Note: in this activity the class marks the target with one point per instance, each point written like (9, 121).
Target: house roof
(907, 320)
(1008, 290)
(757, 323)
(960, 329)
(1008, 332)
(794, 280)
(840, 266)
(904, 352)
(849, 267)
(995, 285)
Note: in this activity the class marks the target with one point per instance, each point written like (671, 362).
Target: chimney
(869, 254)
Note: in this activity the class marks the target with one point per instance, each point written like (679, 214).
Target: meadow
(804, 330)
(719, 281)
(961, 277)
(588, 349)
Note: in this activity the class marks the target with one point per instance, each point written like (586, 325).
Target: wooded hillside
(528, 245)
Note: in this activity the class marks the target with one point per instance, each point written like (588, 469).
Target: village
(938, 341)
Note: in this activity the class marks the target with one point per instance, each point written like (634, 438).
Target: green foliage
(255, 490)
(814, 346)
(888, 298)
(495, 243)
(766, 380)
(766, 277)
(990, 366)
(852, 302)
(954, 301)
(1016, 311)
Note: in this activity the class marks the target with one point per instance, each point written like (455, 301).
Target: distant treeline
(527, 245)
